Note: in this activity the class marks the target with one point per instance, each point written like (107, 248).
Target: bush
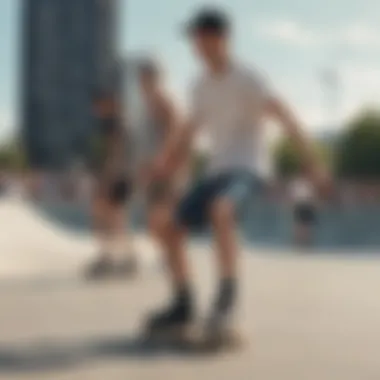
(359, 151)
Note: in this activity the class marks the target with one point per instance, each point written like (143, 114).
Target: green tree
(359, 151)
(12, 156)
(288, 161)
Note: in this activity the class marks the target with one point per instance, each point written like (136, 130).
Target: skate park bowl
(263, 223)
(300, 313)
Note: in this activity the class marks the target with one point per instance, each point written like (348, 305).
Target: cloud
(361, 77)
(361, 87)
(294, 33)
(359, 34)
(287, 32)
(320, 107)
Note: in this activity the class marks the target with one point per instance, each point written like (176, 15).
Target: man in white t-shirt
(229, 103)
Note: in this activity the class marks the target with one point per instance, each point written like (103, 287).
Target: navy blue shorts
(237, 186)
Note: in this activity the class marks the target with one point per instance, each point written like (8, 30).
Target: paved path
(306, 317)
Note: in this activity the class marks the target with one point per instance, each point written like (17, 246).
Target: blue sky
(293, 41)
(9, 64)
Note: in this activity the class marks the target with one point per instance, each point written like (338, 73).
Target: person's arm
(281, 113)
(177, 147)
(114, 152)
(261, 97)
(169, 115)
(180, 137)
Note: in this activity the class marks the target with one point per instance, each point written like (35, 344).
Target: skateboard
(196, 338)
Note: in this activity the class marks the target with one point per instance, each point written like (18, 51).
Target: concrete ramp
(305, 316)
(32, 245)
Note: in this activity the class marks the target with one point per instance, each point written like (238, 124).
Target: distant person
(18, 186)
(229, 102)
(112, 193)
(85, 186)
(303, 199)
(158, 124)
(34, 185)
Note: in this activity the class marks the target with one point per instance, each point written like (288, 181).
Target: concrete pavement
(306, 317)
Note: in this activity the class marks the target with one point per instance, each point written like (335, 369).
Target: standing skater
(230, 101)
(112, 193)
(159, 123)
(305, 212)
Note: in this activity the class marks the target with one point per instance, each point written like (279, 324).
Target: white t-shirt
(230, 108)
(301, 191)
(148, 135)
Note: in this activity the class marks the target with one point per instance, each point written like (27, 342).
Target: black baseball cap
(211, 20)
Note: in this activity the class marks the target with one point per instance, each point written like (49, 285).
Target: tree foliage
(12, 156)
(359, 151)
(288, 161)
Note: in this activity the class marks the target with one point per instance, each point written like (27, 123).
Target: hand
(160, 167)
(145, 176)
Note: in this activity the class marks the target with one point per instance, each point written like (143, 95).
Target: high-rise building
(69, 47)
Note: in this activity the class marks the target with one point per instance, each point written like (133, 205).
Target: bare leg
(101, 227)
(124, 255)
(117, 231)
(171, 240)
(103, 264)
(223, 222)
(303, 235)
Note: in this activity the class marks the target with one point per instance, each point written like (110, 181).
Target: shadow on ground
(53, 356)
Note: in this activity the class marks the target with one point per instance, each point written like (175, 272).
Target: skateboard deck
(197, 338)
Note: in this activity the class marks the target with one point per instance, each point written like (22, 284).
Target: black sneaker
(127, 268)
(173, 319)
(219, 321)
(222, 314)
(99, 269)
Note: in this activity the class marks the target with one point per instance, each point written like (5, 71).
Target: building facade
(68, 49)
